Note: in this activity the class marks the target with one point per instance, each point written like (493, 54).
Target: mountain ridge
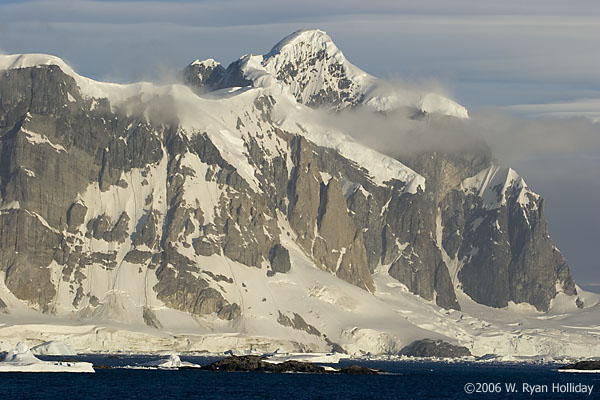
(310, 65)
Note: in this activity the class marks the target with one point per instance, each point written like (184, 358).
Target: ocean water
(406, 380)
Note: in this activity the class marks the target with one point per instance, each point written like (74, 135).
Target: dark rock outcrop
(297, 322)
(258, 364)
(434, 348)
(359, 370)
(3, 307)
(279, 257)
(203, 75)
(583, 366)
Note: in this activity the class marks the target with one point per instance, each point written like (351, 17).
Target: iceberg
(21, 359)
(173, 362)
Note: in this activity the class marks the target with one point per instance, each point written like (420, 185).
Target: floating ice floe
(329, 358)
(580, 371)
(21, 359)
(173, 362)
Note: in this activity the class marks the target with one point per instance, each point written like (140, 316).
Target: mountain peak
(201, 73)
(209, 63)
(318, 75)
(309, 38)
(315, 70)
(308, 65)
(17, 61)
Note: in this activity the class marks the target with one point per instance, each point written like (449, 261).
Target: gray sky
(534, 59)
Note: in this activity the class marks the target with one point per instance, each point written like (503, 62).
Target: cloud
(558, 158)
(397, 135)
(464, 41)
(512, 139)
(515, 139)
(216, 12)
(589, 108)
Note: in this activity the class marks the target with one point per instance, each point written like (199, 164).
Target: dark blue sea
(406, 380)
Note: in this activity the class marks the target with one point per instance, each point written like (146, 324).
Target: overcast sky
(533, 59)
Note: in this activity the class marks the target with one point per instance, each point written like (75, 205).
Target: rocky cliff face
(492, 230)
(116, 205)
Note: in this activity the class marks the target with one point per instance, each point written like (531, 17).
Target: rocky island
(259, 364)
(582, 366)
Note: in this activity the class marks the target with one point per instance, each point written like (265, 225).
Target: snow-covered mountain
(221, 215)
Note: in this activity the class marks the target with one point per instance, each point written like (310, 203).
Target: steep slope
(234, 218)
(492, 232)
(523, 266)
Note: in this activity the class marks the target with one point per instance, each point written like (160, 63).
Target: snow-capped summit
(310, 37)
(495, 184)
(314, 71)
(204, 73)
(208, 63)
(16, 61)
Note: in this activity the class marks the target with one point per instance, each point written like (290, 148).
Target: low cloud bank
(512, 139)
(559, 158)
